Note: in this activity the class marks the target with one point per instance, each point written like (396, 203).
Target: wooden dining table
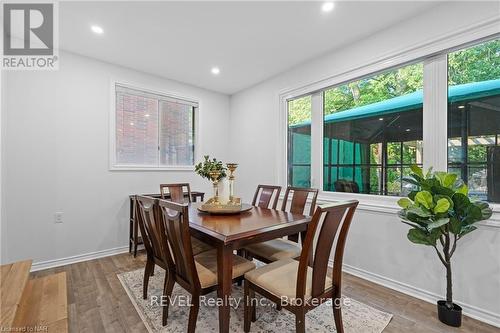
(232, 232)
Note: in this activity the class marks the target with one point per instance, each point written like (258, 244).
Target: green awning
(412, 101)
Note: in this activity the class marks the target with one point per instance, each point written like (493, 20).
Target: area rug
(357, 317)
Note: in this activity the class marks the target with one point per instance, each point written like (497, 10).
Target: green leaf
(466, 230)
(419, 211)
(411, 180)
(429, 173)
(463, 189)
(418, 236)
(417, 170)
(425, 199)
(441, 176)
(437, 223)
(442, 196)
(486, 211)
(412, 195)
(455, 225)
(449, 180)
(442, 206)
(473, 214)
(404, 202)
(460, 202)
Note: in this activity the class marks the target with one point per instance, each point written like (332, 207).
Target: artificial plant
(204, 168)
(440, 213)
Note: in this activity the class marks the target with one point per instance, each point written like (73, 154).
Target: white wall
(377, 246)
(55, 137)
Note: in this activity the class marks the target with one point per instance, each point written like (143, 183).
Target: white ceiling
(249, 41)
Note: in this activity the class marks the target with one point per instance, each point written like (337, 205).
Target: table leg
(224, 274)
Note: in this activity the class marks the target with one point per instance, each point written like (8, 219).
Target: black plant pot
(450, 317)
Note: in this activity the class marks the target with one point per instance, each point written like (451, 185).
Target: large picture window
(372, 132)
(474, 118)
(152, 130)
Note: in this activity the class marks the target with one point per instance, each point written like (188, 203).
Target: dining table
(231, 232)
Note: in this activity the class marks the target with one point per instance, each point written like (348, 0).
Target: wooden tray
(243, 208)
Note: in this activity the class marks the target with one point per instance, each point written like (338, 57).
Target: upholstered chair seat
(206, 266)
(280, 278)
(275, 249)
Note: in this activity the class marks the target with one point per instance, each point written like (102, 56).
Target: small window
(474, 118)
(153, 130)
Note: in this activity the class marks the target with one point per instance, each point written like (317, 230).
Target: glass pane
(376, 153)
(412, 152)
(376, 122)
(393, 153)
(176, 133)
(474, 118)
(393, 181)
(136, 130)
(299, 142)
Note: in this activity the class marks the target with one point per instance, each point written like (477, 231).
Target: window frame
(433, 54)
(113, 165)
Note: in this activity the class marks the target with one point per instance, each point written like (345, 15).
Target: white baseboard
(37, 266)
(468, 310)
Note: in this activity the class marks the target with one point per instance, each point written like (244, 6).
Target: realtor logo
(30, 36)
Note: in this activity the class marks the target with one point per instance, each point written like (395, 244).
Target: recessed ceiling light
(97, 29)
(408, 129)
(327, 7)
(215, 70)
(461, 106)
(380, 119)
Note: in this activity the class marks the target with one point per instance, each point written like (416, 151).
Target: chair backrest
(329, 222)
(298, 201)
(176, 192)
(175, 218)
(264, 194)
(152, 229)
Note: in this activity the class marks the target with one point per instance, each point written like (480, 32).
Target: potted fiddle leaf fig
(440, 213)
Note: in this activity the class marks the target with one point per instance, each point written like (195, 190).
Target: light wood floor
(98, 303)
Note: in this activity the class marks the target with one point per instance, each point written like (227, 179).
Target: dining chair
(302, 285)
(147, 217)
(197, 274)
(177, 193)
(295, 201)
(264, 194)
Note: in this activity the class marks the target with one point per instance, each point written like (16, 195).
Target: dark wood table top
(246, 227)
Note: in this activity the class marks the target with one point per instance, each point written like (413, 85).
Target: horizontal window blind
(153, 130)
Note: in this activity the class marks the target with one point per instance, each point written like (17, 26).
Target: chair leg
(193, 313)
(241, 253)
(167, 292)
(147, 273)
(248, 308)
(337, 316)
(300, 321)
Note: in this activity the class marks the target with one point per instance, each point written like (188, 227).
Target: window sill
(388, 204)
(148, 168)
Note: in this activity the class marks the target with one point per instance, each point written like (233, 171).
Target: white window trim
(432, 53)
(113, 165)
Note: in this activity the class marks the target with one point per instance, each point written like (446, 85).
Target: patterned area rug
(357, 317)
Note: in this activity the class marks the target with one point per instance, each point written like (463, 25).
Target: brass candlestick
(215, 180)
(231, 167)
